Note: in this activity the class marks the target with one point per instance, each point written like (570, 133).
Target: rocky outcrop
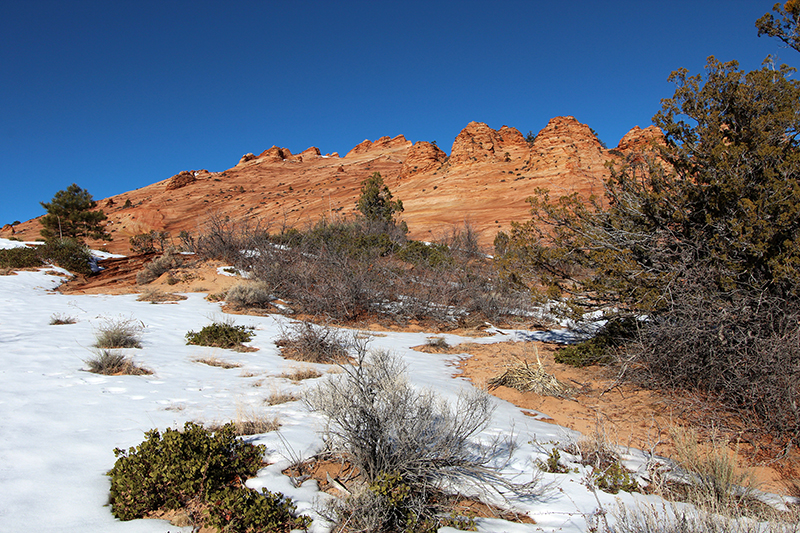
(309, 154)
(422, 157)
(383, 144)
(640, 139)
(566, 145)
(478, 143)
(274, 155)
(181, 179)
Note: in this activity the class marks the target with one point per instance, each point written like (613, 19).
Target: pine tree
(71, 214)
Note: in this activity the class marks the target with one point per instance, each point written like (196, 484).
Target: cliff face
(484, 181)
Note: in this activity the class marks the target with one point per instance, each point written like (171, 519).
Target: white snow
(60, 424)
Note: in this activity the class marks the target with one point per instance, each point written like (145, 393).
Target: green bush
(69, 254)
(600, 349)
(21, 257)
(614, 478)
(220, 335)
(237, 510)
(419, 253)
(196, 466)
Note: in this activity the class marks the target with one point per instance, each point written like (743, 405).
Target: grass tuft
(119, 333)
(111, 363)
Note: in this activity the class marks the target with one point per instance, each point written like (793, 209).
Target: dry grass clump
(111, 363)
(523, 377)
(214, 361)
(299, 373)
(58, 319)
(303, 341)
(155, 296)
(438, 343)
(119, 333)
(278, 397)
(711, 475)
(249, 422)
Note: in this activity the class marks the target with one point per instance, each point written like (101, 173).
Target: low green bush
(432, 255)
(69, 254)
(21, 257)
(600, 349)
(197, 469)
(220, 335)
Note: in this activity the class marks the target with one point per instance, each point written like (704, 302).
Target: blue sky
(118, 95)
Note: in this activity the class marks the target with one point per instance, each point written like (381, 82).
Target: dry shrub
(249, 422)
(58, 319)
(299, 373)
(119, 333)
(213, 361)
(278, 397)
(155, 296)
(711, 476)
(409, 446)
(303, 341)
(252, 294)
(523, 377)
(671, 518)
(111, 363)
(158, 266)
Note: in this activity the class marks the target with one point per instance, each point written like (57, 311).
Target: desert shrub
(119, 333)
(299, 373)
(226, 239)
(711, 475)
(181, 469)
(601, 348)
(682, 519)
(614, 478)
(252, 294)
(20, 257)
(58, 319)
(408, 445)
(111, 363)
(158, 266)
(303, 341)
(220, 335)
(219, 363)
(241, 510)
(553, 463)
(150, 242)
(69, 254)
(278, 397)
(155, 296)
(433, 255)
(440, 343)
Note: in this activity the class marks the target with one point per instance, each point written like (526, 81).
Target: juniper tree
(71, 214)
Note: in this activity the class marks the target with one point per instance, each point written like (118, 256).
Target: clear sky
(116, 95)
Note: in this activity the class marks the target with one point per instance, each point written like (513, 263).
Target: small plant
(119, 333)
(303, 341)
(553, 463)
(213, 361)
(221, 335)
(155, 268)
(20, 257)
(69, 254)
(156, 296)
(202, 472)
(58, 319)
(614, 478)
(149, 242)
(300, 373)
(599, 350)
(251, 294)
(111, 363)
(279, 397)
(439, 343)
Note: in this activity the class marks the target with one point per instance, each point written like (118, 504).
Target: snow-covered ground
(60, 424)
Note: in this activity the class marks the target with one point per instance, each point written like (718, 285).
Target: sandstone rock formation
(485, 181)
